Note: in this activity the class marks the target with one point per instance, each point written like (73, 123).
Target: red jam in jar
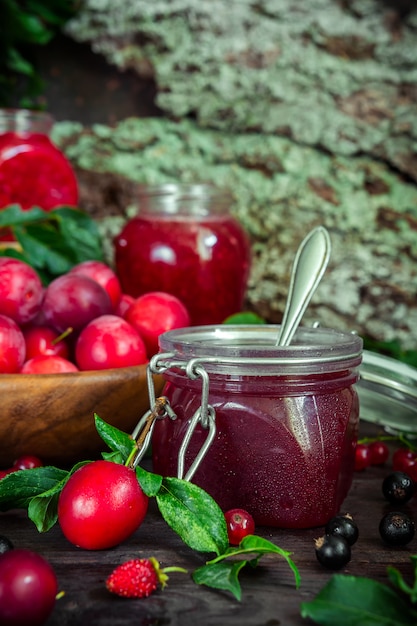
(286, 418)
(185, 241)
(33, 171)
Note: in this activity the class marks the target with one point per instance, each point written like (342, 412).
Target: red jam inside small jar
(286, 425)
(186, 242)
(33, 171)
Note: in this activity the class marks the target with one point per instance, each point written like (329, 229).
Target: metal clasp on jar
(144, 429)
(161, 408)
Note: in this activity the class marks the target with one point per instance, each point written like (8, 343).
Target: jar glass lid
(387, 391)
(241, 347)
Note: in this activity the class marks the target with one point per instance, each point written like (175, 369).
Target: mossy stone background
(306, 110)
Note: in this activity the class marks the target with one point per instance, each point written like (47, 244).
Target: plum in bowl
(51, 416)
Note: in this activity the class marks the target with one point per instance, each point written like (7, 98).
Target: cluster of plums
(80, 321)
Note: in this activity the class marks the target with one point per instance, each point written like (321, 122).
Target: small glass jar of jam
(186, 242)
(33, 171)
(269, 429)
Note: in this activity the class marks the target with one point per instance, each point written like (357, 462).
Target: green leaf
(252, 544)
(44, 248)
(259, 545)
(150, 483)
(48, 15)
(193, 514)
(16, 63)
(392, 348)
(33, 28)
(18, 488)
(23, 25)
(396, 578)
(14, 215)
(81, 234)
(356, 600)
(53, 241)
(115, 439)
(245, 317)
(221, 576)
(114, 457)
(43, 510)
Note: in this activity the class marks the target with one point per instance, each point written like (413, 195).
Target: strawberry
(138, 578)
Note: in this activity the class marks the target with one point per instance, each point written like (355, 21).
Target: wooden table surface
(269, 595)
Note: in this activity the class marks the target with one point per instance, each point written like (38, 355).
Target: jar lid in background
(387, 391)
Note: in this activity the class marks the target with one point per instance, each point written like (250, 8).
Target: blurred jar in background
(33, 171)
(185, 241)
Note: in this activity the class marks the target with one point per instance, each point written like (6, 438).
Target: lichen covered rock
(281, 190)
(340, 76)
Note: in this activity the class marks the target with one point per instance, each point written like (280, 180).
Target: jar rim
(246, 346)
(184, 191)
(184, 199)
(24, 120)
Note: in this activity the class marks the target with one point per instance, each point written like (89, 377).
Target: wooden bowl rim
(117, 372)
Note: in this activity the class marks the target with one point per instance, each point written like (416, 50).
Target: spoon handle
(309, 266)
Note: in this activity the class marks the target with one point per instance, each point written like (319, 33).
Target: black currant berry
(332, 551)
(343, 526)
(398, 487)
(396, 529)
(5, 544)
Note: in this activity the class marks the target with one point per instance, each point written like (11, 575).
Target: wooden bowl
(52, 415)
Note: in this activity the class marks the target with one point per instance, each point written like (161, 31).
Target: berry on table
(332, 551)
(379, 452)
(239, 524)
(402, 459)
(343, 526)
(27, 461)
(362, 457)
(398, 487)
(396, 529)
(138, 578)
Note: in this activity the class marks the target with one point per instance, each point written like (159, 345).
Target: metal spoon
(309, 266)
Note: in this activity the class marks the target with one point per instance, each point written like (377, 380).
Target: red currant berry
(412, 471)
(239, 523)
(402, 459)
(362, 457)
(27, 462)
(379, 452)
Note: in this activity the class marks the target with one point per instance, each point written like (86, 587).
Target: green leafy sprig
(23, 26)
(190, 511)
(52, 242)
(352, 600)
(405, 439)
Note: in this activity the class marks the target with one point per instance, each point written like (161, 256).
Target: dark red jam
(203, 258)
